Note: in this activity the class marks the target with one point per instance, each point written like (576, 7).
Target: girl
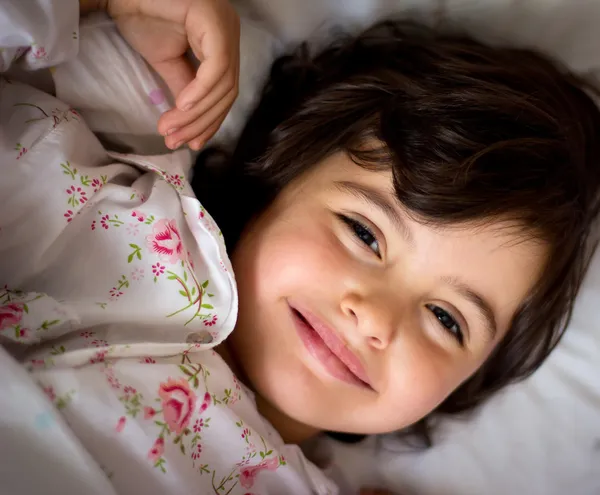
(407, 216)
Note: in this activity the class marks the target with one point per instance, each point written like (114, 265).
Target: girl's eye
(363, 233)
(448, 322)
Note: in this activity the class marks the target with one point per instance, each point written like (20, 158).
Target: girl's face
(353, 317)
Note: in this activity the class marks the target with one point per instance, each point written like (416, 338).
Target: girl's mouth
(325, 346)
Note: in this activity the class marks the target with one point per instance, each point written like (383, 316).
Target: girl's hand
(162, 31)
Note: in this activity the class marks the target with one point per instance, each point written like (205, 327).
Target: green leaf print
(160, 464)
(123, 282)
(58, 350)
(185, 370)
(67, 170)
(65, 400)
(85, 180)
(136, 253)
(47, 324)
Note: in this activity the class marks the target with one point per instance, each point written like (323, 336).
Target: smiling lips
(324, 345)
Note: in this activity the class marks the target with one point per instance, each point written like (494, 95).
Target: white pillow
(541, 436)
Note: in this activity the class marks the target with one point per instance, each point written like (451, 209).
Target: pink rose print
(157, 450)
(139, 215)
(149, 412)
(10, 315)
(137, 274)
(69, 215)
(148, 360)
(76, 196)
(178, 402)
(248, 474)
(156, 96)
(120, 424)
(166, 241)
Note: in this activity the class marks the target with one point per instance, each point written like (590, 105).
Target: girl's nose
(372, 317)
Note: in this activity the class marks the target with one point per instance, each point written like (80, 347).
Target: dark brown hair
(470, 132)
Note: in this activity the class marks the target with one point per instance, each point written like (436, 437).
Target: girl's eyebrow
(477, 300)
(378, 200)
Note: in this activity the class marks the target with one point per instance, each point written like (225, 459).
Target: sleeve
(37, 34)
(90, 238)
(179, 424)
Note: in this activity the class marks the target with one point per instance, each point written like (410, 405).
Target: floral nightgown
(115, 285)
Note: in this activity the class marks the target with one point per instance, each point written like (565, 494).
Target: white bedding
(541, 436)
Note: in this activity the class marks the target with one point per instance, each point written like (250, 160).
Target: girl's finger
(201, 140)
(175, 119)
(199, 126)
(214, 38)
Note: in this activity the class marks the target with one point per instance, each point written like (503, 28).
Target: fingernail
(176, 145)
(187, 107)
(170, 131)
